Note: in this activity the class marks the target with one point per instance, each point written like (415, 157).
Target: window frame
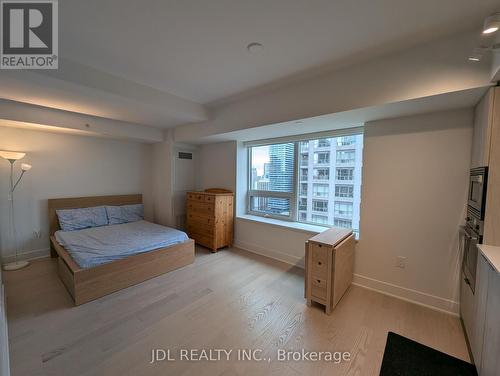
(351, 174)
(345, 161)
(350, 189)
(293, 196)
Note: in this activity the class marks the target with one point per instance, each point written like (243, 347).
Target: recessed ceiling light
(477, 54)
(492, 24)
(255, 47)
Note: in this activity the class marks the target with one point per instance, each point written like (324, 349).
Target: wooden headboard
(86, 202)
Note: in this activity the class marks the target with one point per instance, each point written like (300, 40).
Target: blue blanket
(95, 246)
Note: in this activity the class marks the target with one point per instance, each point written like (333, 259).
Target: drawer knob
(320, 245)
(319, 262)
(319, 280)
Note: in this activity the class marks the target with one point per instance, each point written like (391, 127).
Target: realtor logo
(29, 37)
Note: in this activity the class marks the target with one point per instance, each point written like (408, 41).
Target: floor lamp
(12, 157)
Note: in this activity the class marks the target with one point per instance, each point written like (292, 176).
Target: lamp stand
(16, 264)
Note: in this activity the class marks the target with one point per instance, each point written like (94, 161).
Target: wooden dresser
(329, 266)
(210, 218)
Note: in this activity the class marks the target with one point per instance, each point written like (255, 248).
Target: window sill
(295, 226)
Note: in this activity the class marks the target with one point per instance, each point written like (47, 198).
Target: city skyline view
(328, 187)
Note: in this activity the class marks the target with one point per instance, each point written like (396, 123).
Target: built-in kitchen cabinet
(483, 119)
(490, 363)
(492, 215)
(482, 320)
(480, 297)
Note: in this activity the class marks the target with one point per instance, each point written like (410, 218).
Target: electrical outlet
(401, 262)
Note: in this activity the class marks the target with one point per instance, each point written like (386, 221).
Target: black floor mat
(404, 357)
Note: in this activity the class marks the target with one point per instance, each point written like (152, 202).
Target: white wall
(65, 166)
(415, 178)
(217, 166)
(161, 181)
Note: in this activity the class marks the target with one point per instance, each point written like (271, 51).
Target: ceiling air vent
(184, 155)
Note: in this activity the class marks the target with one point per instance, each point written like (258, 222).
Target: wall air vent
(184, 155)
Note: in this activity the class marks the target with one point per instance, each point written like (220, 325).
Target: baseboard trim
(409, 295)
(399, 292)
(276, 255)
(27, 255)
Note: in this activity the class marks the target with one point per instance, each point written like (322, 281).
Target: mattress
(99, 245)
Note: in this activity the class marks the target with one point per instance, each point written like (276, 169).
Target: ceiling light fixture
(477, 54)
(255, 47)
(492, 24)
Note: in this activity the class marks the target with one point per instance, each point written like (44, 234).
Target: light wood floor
(229, 300)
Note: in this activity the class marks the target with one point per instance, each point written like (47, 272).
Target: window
(346, 156)
(303, 204)
(307, 180)
(303, 189)
(343, 209)
(344, 191)
(346, 223)
(272, 196)
(322, 143)
(303, 174)
(320, 206)
(322, 219)
(322, 157)
(320, 190)
(345, 173)
(270, 205)
(346, 140)
(321, 173)
(304, 159)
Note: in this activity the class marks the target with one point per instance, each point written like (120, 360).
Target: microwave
(478, 181)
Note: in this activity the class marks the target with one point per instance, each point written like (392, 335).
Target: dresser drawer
(318, 288)
(209, 198)
(200, 197)
(200, 208)
(319, 254)
(205, 240)
(201, 229)
(202, 220)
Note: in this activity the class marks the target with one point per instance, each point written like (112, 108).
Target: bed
(98, 261)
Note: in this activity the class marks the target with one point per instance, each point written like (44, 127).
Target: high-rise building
(330, 181)
(281, 174)
(266, 171)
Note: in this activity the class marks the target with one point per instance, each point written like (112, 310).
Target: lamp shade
(11, 155)
(25, 167)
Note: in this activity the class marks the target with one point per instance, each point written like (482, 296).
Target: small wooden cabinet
(329, 266)
(210, 218)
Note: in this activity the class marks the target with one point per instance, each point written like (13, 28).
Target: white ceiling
(354, 118)
(196, 49)
(165, 63)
